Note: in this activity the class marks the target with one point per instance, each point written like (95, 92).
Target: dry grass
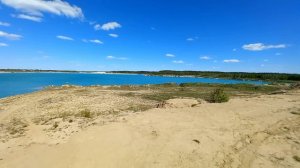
(86, 113)
(139, 107)
(14, 128)
(65, 116)
(45, 119)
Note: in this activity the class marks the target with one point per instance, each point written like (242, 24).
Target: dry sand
(262, 131)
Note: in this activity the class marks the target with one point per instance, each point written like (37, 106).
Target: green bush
(218, 96)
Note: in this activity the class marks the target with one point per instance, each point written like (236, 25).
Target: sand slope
(249, 132)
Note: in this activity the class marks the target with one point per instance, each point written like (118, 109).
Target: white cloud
(97, 27)
(38, 7)
(116, 58)
(4, 24)
(10, 36)
(170, 55)
(107, 26)
(178, 62)
(96, 41)
(65, 38)
(92, 41)
(231, 61)
(261, 46)
(277, 53)
(113, 35)
(110, 57)
(192, 38)
(205, 58)
(28, 17)
(3, 45)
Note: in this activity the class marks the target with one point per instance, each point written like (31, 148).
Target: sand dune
(262, 131)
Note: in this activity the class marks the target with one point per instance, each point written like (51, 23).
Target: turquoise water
(19, 83)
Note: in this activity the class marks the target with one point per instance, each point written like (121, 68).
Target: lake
(19, 83)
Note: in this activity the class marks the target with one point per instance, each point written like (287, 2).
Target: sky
(104, 35)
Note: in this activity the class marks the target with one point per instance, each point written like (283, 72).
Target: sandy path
(253, 132)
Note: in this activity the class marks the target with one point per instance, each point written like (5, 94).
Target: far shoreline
(270, 77)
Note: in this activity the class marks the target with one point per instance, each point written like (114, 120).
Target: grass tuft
(86, 113)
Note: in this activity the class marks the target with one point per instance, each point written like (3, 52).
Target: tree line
(216, 74)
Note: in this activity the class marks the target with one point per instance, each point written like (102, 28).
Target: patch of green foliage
(218, 96)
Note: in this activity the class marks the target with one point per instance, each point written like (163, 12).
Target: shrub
(85, 113)
(218, 96)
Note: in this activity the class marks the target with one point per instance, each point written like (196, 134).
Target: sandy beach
(96, 127)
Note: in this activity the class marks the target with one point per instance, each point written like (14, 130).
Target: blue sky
(213, 35)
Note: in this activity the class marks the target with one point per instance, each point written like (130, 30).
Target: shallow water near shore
(19, 83)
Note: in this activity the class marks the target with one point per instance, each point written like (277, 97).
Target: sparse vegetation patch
(86, 113)
(16, 127)
(139, 107)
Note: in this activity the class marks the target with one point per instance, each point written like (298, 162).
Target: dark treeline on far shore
(210, 74)
(215, 74)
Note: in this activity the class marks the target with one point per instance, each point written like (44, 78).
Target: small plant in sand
(86, 113)
(218, 96)
(55, 125)
(296, 158)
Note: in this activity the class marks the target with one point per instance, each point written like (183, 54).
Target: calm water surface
(19, 83)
